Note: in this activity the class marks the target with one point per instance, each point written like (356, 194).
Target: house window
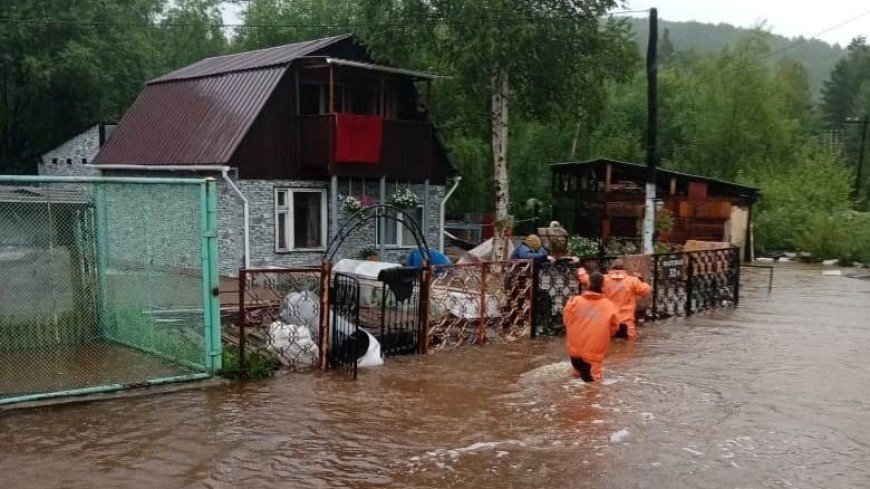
(395, 233)
(300, 219)
(69, 161)
(54, 161)
(84, 161)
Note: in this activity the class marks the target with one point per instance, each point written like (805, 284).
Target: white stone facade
(261, 201)
(75, 156)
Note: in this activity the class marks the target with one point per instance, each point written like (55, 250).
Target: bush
(794, 200)
(260, 365)
(844, 236)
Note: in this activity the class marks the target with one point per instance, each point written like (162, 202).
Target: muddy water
(773, 394)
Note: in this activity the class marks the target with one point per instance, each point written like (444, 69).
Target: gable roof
(743, 190)
(261, 58)
(199, 114)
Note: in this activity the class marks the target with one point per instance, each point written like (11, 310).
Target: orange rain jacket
(623, 289)
(590, 320)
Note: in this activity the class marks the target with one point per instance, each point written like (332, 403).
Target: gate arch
(374, 213)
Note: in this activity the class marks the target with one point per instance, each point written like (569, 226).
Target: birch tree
(536, 56)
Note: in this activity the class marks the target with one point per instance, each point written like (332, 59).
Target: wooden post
(423, 310)
(608, 174)
(331, 89)
(323, 340)
(673, 186)
(481, 326)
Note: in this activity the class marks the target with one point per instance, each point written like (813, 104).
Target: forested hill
(819, 56)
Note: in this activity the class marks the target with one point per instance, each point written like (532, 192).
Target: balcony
(407, 149)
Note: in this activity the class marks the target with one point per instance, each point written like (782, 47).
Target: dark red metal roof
(199, 114)
(261, 58)
(191, 122)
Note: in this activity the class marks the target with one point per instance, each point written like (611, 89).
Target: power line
(816, 35)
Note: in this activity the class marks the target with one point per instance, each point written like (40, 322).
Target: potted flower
(369, 254)
(404, 199)
(351, 204)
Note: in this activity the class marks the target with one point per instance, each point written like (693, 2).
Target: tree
(56, 79)
(533, 56)
(841, 93)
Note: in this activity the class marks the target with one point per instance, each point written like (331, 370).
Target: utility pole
(864, 122)
(651, 131)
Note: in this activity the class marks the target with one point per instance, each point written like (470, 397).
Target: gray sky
(790, 18)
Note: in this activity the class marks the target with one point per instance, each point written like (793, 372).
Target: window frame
(400, 231)
(290, 220)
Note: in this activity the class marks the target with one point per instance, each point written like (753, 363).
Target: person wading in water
(622, 289)
(590, 321)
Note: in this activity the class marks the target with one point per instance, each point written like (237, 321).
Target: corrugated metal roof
(192, 121)
(249, 60)
(199, 114)
(660, 171)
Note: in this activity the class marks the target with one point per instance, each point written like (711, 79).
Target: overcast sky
(790, 18)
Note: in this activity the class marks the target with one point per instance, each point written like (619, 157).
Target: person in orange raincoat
(590, 321)
(623, 290)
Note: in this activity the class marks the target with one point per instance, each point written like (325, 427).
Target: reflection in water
(767, 395)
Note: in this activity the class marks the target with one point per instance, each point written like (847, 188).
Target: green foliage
(259, 365)
(582, 247)
(817, 56)
(665, 221)
(57, 79)
(844, 236)
(803, 194)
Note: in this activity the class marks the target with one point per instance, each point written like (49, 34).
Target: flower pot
(372, 258)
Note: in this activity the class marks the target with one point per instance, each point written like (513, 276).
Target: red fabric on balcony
(358, 138)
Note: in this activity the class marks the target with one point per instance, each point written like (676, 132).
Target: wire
(816, 35)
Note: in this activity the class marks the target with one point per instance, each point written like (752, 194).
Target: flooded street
(775, 393)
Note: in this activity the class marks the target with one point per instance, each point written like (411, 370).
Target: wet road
(774, 394)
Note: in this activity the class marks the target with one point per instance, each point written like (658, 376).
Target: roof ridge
(246, 60)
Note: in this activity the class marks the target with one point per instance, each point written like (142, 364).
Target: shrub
(260, 365)
(582, 247)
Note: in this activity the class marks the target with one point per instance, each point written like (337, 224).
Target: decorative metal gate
(348, 342)
(400, 321)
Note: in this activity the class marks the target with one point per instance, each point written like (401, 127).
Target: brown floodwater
(775, 393)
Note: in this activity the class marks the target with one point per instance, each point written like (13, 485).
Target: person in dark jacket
(531, 249)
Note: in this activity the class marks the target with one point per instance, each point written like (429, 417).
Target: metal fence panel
(480, 303)
(104, 283)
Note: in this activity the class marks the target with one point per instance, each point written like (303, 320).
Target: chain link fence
(105, 284)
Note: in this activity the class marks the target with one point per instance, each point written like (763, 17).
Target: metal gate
(401, 311)
(348, 342)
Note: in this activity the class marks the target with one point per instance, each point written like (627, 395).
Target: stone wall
(261, 199)
(74, 157)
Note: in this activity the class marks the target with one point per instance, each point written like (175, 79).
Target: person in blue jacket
(531, 249)
(436, 258)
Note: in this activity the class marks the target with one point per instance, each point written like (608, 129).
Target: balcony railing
(406, 149)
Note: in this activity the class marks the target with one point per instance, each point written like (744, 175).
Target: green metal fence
(106, 283)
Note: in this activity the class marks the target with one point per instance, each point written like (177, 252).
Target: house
(604, 198)
(75, 157)
(290, 132)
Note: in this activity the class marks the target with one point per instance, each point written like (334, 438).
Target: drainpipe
(224, 171)
(441, 213)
